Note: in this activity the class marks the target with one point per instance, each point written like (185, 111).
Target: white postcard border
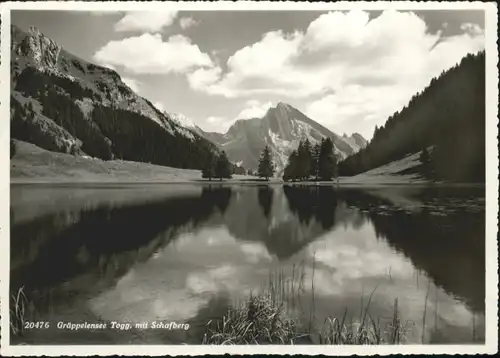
(491, 334)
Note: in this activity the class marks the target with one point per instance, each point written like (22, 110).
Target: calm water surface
(184, 253)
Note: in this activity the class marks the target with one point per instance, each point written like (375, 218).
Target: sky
(348, 70)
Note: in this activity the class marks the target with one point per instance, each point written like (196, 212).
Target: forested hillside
(448, 115)
(64, 104)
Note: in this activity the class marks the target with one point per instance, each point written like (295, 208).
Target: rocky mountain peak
(281, 128)
(281, 115)
(284, 106)
(35, 32)
(284, 109)
(43, 50)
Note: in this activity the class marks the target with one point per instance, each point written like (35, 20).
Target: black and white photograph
(238, 177)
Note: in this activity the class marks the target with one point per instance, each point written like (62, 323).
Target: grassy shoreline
(34, 165)
(234, 181)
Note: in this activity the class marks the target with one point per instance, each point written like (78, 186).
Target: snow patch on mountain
(280, 151)
(303, 130)
(184, 125)
(181, 120)
(86, 106)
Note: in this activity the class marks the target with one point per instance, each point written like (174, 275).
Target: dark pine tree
(208, 171)
(316, 151)
(327, 160)
(223, 167)
(291, 171)
(427, 160)
(304, 158)
(424, 156)
(266, 165)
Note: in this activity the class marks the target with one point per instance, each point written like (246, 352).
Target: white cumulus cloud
(145, 21)
(216, 124)
(251, 109)
(370, 94)
(148, 53)
(254, 109)
(203, 78)
(350, 71)
(215, 119)
(357, 69)
(187, 22)
(340, 48)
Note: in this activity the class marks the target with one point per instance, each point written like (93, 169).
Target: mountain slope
(63, 103)
(448, 115)
(281, 128)
(356, 140)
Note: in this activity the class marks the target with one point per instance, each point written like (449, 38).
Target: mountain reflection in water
(186, 252)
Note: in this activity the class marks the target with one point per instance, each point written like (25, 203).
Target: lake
(185, 252)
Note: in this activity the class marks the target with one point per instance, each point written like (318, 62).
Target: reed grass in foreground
(17, 312)
(262, 321)
(367, 331)
(257, 321)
